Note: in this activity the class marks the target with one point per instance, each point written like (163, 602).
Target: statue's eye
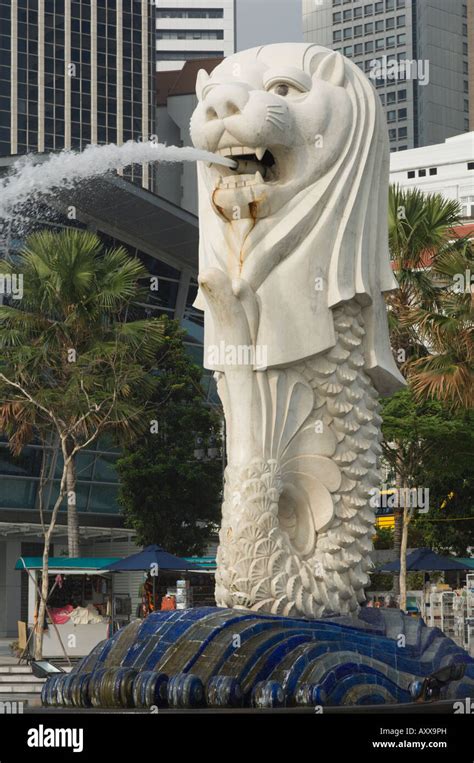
(284, 89)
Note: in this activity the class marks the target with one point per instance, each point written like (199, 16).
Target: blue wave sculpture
(212, 657)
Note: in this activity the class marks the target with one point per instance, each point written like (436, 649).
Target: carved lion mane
(331, 231)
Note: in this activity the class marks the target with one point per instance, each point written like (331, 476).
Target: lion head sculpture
(301, 219)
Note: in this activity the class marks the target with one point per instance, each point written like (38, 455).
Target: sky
(265, 21)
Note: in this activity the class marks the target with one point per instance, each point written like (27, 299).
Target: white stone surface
(293, 265)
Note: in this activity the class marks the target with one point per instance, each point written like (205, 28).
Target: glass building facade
(74, 73)
(71, 74)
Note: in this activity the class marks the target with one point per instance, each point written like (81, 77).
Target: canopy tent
(76, 564)
(467, 561)
(206, 563)
(426, 560)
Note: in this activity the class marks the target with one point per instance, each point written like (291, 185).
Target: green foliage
(383, 538)
(380, 582)
(430, 318)
(66, 345)
(167, 495)
(428, 446)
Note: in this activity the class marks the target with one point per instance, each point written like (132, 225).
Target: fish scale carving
(259, 566)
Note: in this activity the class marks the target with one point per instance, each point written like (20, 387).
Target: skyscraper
(424, 103)
(188, 29)
(74, 72)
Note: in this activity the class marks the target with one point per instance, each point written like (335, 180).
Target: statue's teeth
(259, 152)
(258, 177)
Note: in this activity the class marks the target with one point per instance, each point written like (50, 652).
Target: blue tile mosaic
(226, 658)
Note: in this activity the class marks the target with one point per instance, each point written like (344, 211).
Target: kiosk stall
(80, 603)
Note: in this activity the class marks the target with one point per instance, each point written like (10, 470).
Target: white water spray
(30, 179)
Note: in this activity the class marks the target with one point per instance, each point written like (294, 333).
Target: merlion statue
(293, 266)
(294, 262)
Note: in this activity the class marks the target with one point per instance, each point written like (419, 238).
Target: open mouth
(254, 166)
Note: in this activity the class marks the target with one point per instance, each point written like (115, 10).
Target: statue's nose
(225, 101)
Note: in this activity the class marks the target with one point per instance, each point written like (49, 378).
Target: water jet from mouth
(33, 178)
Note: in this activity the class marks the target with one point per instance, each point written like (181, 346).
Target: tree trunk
(397, 543)
(42, 602)
(403, 559)
(72, 522)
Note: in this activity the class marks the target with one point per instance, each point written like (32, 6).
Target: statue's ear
(201, 80)
(329, 66)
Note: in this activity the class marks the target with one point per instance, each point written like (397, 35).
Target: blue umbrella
(150, 556)
(426, 560)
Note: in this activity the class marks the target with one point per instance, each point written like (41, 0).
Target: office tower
(74, 73)
(189, 29)
(425, 102)
(470, 61)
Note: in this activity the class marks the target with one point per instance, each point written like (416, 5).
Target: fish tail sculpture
(293, 265)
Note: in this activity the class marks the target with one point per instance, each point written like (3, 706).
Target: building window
(390, 23)
(401, 39)
(400, 3)
(421, 173)
(357, 13)
(378, 7)
(402, 132)
(464, 48)
(392, 134)
(348, 50)
(390, 41)
(402, 95)
(337, 35)
(368, 9)
(465, 68)
(391, 97)
(191, 13)
(358, 49)
(391, 116)
(369, 46)
(470, 165)
(190, 34)
(347, 15)
(411, 173)
(433, 170)
(369, 28)
(466, 106)
(379, 44)
(182, 55)
(382, 99)
(402, 113)
(358, 30)
(400, 21)
(336, 17)
(347, 33)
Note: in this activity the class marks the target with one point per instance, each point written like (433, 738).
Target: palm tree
(446, 371)
(420, 227)
(73, 363)
(420, 236)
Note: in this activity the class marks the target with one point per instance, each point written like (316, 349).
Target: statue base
(212, 657)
